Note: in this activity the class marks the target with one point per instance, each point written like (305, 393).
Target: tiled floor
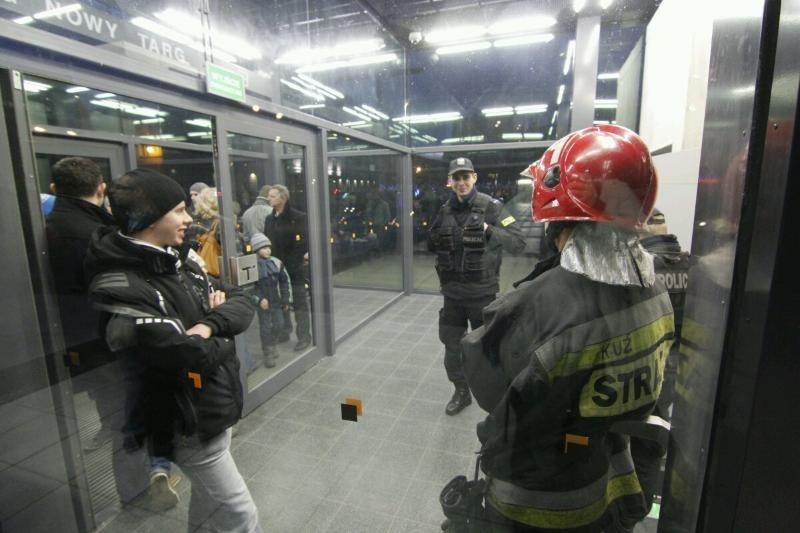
(307, 469)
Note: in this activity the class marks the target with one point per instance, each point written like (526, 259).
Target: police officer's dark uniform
(579, 346)
(672, 269)
(468, 235)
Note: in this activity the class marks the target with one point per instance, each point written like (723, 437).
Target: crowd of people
(572, 366)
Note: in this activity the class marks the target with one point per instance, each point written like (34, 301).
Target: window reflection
(364, 192)
(65, 105)
(498, 176)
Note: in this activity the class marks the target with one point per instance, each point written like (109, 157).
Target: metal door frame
(114, 152)
(318, 228)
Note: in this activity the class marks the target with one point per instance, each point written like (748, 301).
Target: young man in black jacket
(175, 331)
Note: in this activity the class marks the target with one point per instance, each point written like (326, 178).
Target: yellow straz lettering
(508, 220)
(619, 389)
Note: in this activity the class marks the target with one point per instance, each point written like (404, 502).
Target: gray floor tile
(20, 488)
(440, 467)
(421, 503)
(401, 459)
(352, 519)
(251, 457)
(403, 525)
(399, 387)
(314, 441)
(321, 517)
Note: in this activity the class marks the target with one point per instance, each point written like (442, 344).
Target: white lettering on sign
(674, 280)
(81, 18)
(161, 48)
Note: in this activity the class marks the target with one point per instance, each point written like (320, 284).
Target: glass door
(110, 157)
(270, 240)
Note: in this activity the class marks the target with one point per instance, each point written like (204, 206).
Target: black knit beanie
(140, 197)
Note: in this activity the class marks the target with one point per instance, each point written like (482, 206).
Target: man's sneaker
(461, 398)
(161, 496)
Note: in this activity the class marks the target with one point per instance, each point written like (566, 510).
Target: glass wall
(365, 191)
(499, 177)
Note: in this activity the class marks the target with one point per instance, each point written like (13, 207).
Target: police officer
(579, 346)
(467, 235)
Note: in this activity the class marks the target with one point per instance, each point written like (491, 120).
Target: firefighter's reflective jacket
(467, 256)
(557, 362)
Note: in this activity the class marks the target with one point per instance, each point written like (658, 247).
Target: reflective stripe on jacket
(557, 362)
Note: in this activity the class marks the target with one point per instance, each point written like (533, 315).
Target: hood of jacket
(111, 251)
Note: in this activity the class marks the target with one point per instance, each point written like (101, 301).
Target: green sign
(225, 83)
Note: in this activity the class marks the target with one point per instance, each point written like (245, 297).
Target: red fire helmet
(602, 174)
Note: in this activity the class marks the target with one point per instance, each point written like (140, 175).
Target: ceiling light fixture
(498, 111)
(560, 96)
(569, 57)
(605, 4)
(605, 104)
(371, 109)
(523, 24)
(523, 40)
(312, 106)
(359, 114)
(461, 48)
(578, 5)
(311, 94)
(35, 86)
(77, 89)
(55, 12)
(608, 76)
(453, 35)
(446, 116)
(319, 85)
(530, 109)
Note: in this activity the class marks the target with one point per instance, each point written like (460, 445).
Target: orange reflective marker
(579, 440)
(357, 403)
(195, 377)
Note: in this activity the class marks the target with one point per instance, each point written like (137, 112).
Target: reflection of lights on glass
(419, 170)
(253, 177)
(702, 224)
(256, 108)
(278, 116)
(354, 235)
(72, 133)
(39, 129)
(278, 139)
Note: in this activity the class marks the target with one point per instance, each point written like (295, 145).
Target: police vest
(461, 249)
(672, 269)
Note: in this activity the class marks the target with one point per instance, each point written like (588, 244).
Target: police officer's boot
(461, 398)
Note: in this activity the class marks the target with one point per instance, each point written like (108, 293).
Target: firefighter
(467, 236)
(579, 346)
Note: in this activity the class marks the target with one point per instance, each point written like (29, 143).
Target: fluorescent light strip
(458, 140)
(605, 104)
(605, 4)
(353, 124)
(312, 106)
(608, 76)
(498, 111)
(550, 131)
(77, 89)
(555, 116)
(131, 109)
(523, 24)
(461, 48)
(530, 109)
(35, 86)
(183, 21)
(525, 39)
(380, 114)
(522, 136)
(103, 96)
(201, 134)
(56, 12)
(156, 120)
(312, 88)
(569, 57)
(358, 114)
(433, 117)
(316, 96)
(320, 85)
(560, 96)
(354, 62)
(370, 114)
(453, 35)
(578, 5)
(199, 122)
